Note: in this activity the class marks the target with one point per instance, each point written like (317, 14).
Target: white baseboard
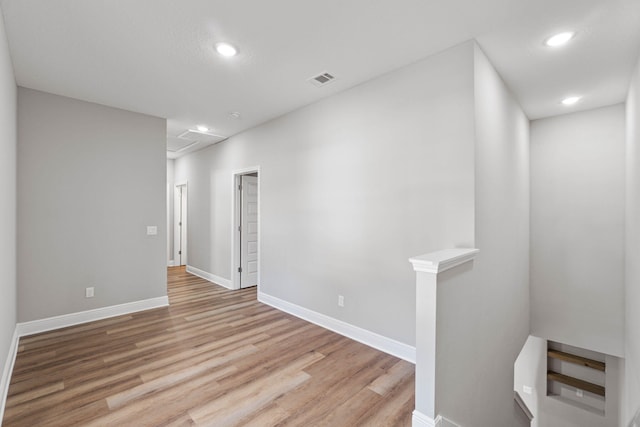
(443, 422)
(395, 348)
(57, 322)
(210, 277)
(6, 373)
(419, 419)
(171, 263)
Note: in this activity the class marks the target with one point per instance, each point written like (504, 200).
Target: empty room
(179, 242)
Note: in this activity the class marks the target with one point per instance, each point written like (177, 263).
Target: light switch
(152, 230)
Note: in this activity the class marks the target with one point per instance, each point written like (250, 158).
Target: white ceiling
(157, 56)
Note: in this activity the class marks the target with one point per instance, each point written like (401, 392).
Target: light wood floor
(213, 358)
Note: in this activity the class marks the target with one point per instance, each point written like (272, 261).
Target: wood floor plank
(163, 382)
(214, 357)
(388, 381)
(210, 363)
(352, 410)
(317, 399)
(174, 403)
(35, 393)
(270, 415)
(386, 413)
(69, 415)
(255, 395)
(77, 395)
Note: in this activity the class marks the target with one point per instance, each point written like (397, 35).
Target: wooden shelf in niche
(577, 383)
(578, 360)
(572, 370)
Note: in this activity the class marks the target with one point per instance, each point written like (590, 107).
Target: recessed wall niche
(576, 376)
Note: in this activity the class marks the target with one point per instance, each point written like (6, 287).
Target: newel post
(427, 268)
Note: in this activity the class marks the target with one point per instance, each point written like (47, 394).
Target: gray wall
(90, 179)
(632, 233)
(8, 205)
(351, 187)
(577, 229)
(483, 316)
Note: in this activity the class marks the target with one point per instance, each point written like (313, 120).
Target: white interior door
(180, 229)
(249, 231)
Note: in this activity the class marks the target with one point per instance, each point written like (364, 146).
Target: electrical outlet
(579, 393)
(88, 293)
(340, 301)
(526, 389)
(152, 230)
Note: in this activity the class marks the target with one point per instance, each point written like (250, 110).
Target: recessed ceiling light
(559, 39)
(202, 128)
(571, 100)
(225, 49)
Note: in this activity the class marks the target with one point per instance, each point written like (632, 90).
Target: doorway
(180, 227)
(246, 239)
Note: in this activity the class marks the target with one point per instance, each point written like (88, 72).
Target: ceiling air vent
(176, 145)
(322, 79)
(197, 136)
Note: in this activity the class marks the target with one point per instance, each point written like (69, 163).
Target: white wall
(170, 197)
(484, 320)
(632, 247)
(351, 187)
(90, 179)
(8, 205)
(577, 229)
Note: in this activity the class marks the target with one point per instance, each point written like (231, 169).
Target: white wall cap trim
(439, 261)
(377, 341)
(65, 320)
(226, 283)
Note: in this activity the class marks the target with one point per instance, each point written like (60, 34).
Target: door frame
(236, 209)
(176, 219)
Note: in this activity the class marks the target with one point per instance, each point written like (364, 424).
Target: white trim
(6, 373)
(437, 262)
(443, 422)
(65, 320)
(418, 419)
(170, 263)
(210, 277)
(176, 228)
(388, 345)
(235, 235)
(421, 420)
